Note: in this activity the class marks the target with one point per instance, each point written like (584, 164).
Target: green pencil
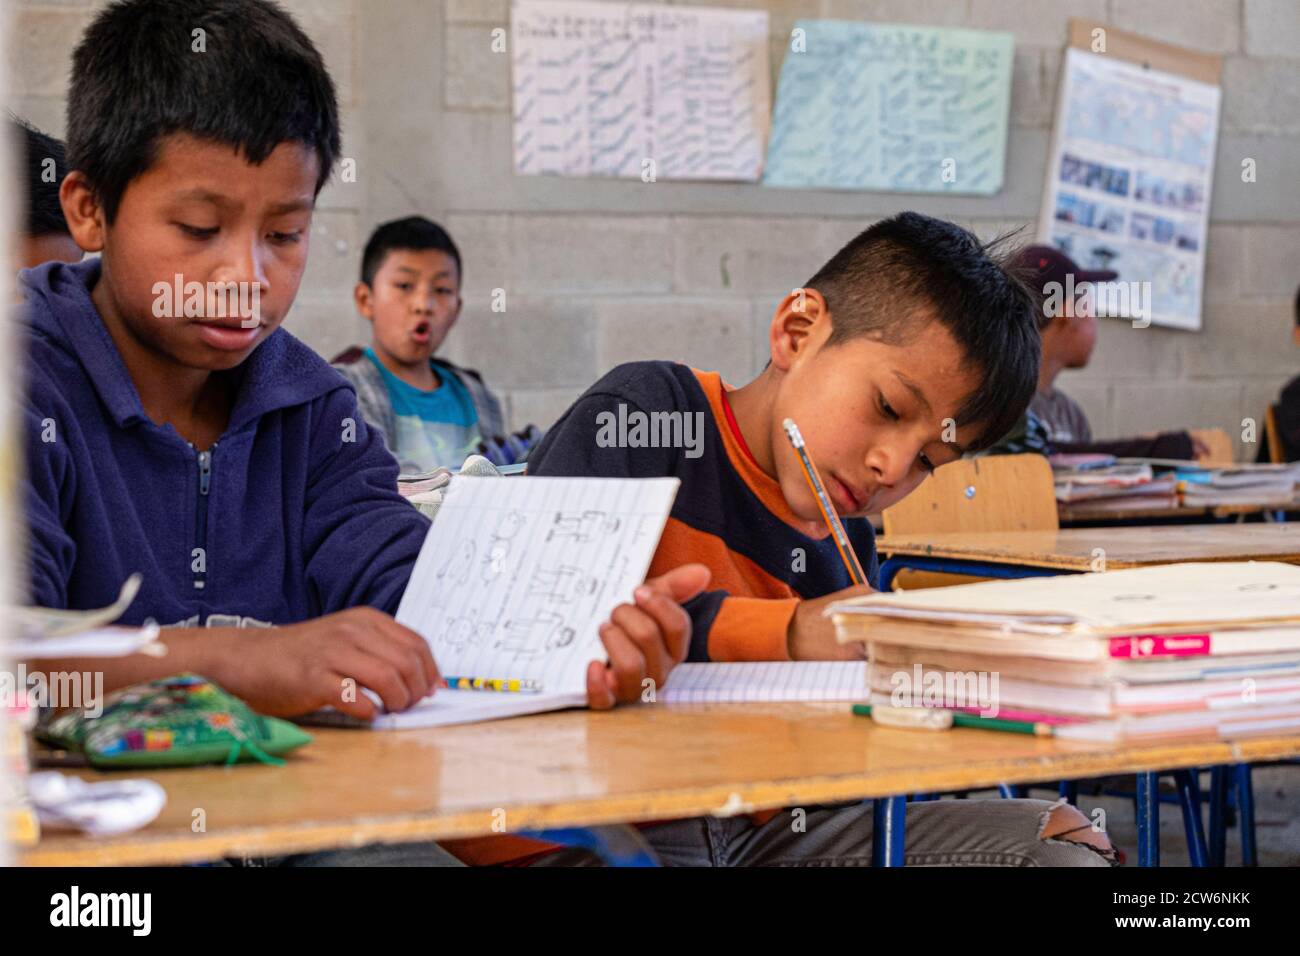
(1033, 728)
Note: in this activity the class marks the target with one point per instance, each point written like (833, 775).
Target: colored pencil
(508, 686)
(1033, 728)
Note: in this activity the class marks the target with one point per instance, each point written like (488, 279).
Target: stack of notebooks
(1119, 487)
(1241, 485)
(1184, 650)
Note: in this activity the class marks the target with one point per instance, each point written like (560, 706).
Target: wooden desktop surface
(645, 762)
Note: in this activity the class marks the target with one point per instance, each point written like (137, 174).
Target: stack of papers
(1080, 461)
(1117, 486)
(1207, 649)
(1242, 485)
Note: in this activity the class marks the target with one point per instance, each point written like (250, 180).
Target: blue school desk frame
(1225, 782)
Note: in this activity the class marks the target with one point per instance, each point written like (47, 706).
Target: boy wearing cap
(1067, 327)
(1288, 406)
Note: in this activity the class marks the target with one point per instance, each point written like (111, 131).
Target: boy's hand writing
(811, 635)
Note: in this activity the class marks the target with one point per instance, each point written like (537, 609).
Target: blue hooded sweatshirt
(282, 520)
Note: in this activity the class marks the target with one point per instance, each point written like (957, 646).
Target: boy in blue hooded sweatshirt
(174, 429)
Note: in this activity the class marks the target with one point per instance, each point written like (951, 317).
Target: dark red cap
(1043, 264)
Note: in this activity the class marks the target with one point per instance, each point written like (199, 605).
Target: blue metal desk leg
(1218, 815)
(1246, 814)
(1070, 791)
(889, 831)
(1148, 819)
(1190, 797)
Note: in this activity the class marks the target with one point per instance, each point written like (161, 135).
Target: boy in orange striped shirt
(910, 347)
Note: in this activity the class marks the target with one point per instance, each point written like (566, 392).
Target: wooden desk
(1098, 511)
(1073, 549)
(578, 768)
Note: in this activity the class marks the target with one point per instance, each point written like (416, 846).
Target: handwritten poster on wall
(893, 108)
(1128, 181)
(642, 91)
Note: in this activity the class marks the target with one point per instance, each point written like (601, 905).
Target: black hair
(44, 166)
(143, 70)
(415, 233)
(873, 287)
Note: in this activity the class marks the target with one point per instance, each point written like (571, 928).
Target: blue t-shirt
(433, 428)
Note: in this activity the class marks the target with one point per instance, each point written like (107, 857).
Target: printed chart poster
(892, 108)
(1128, 183)
(639, 91)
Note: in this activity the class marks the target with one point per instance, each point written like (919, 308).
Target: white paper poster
(640, 91)
(1128, 184)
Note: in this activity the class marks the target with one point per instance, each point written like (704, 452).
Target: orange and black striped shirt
(728, 515)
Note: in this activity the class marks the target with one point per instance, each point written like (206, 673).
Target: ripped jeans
(938, 833)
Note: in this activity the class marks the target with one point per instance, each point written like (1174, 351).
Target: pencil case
(178, 721)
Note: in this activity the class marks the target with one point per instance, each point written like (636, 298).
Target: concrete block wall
(597, 272)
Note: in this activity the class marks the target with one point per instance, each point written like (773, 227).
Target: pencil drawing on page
(516, 575)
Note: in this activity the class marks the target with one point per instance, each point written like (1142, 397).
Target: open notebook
(513, 581)
(749, 682)
(762, 681)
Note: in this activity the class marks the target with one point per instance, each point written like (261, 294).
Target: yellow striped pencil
(847, 555)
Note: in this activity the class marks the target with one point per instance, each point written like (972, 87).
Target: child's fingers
(658, 648)
(381, 677)
(415, 643)
(626, 661)
(401, 657)
(681, 584)
(362, 707)
(600, 693)
(673, 622)
(646, 634)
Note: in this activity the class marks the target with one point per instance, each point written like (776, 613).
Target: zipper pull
(205, 471)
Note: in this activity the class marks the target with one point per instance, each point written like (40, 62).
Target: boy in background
(213, 452)
(910, 347)
(43, 165)
(1054, 421)
(1287, 414)
(429, 412)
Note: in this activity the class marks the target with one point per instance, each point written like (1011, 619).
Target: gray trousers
(937, 833)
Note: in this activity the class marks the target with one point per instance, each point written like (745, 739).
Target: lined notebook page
(516, 576)
(749, 682)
